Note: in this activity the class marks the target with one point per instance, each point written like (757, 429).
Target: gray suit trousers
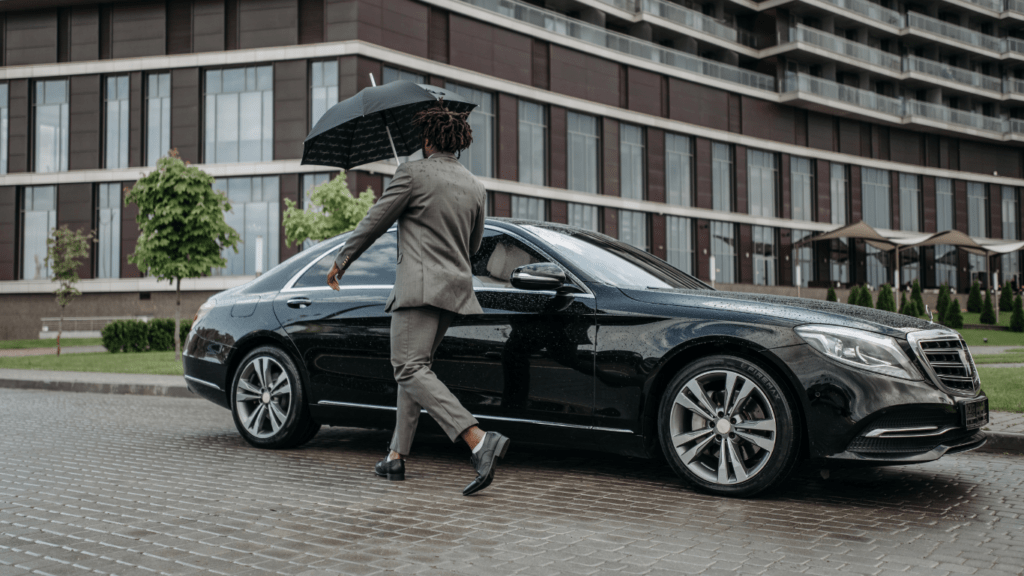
(415, 335)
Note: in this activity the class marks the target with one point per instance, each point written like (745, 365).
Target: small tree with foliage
(954, 318)
(942, 303)
(917, 297)
(988, 313)
(831, 296)
(1017, 319)
(181, 226)
(974, 302)
(1006, 299)
(865, 297)
(65, 249)
(333, 210)
(854, 297)
(885, 299)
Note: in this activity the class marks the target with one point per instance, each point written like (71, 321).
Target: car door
(527, 362)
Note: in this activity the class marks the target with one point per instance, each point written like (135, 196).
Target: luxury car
(589, 343)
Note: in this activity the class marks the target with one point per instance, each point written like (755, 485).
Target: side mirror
(540, 276)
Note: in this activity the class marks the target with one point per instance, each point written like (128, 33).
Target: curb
(1004, 442)
(180, 391)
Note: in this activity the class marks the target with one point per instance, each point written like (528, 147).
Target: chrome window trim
(916, 338)
(204, 382)
(478, 416)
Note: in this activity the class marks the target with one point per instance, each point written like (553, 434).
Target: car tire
(737, 447)
(268, 401)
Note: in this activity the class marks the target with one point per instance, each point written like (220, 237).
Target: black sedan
(586, 342)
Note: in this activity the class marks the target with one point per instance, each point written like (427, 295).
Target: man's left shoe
(485, 460)
(392, 469)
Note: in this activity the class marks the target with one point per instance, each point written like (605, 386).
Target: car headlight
(203, 311)
(864, 350)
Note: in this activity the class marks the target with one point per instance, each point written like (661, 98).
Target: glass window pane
(721, 177)
(254, 215)
(802, 188)
(762, 178)
(582, 155)
(678, 170)
(877, 198)
(4, 119)
(723, 248)
(51, 130)
(532, 143)
(108, 233)
(583, 216)
(631, 161)
(39, 217)
(158, 117)
(479, 157)
(765, 256)
(679, 236)
(240, 127)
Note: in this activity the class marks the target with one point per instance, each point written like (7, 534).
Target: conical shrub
(854, 297)
(954, 318)
(908, 307)
(917, 297)
(1017, 320)
(865, 297)
(974, 302)
(885, 299)
(831, 297)
(1006, 299)
(942, 303)
(988, 314)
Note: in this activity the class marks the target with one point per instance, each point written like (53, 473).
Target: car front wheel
(268, 401)
(727, 427)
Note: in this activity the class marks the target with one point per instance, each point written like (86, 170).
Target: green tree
(974, 301)
(65, 250)
(181, 226)
(1017, 319)
(865, 298)
(854, 297)
(1006, 299)
(831, 296)
(885, 299)
(332, 211)
(988, 313)
(954, 319)
(942, 303)
(917, 297)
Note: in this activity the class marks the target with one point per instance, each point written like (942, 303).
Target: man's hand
(333, 276)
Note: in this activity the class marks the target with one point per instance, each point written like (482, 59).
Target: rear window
(376, 267)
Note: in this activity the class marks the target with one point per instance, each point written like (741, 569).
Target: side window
(376, 267)
(499, 255)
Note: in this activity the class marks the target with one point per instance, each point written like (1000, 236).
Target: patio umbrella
(374, 124)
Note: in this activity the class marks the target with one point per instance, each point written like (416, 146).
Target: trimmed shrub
(1017, 320)
(908, 308)
(885, 299)
(126, 336)
(917, 297)
(854, 297)
(974, 302)
(161, 334)
(831, 296)
(865, 298)
(988, 313)
(954, 319)
(943, 303)
(1006, 299)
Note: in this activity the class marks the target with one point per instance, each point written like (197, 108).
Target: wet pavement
(143, 485)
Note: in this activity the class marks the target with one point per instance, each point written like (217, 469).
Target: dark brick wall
(185, 117)
(290, 190)
(995, 211)
(85, 122)
(508, 137)
(501, 205)
(894, 198)
(658, 236)
(928, 210)
(179, 27)
(558, 163)
(696, 104)
(135, 135)
(129, 233)
(643, 91)
(703, 249)
(702, 166)
(19, 104)
(739, 180)
(989, 158)
(584, 76)
(291, 121)
(30, 38)
(84, 41)
(558, 211)
(397, 24)
(208, 27)
(823, 191)
(263, 23)
(8, 232)
(744, 250)
(490, 50)
(610, 175)
(906, 146)
(655, 156)
(785, 191)
(439, 33)
(311, 21)
(768, 120)
(821, 131)
(138, 30)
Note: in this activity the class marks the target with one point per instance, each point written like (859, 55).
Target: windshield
(612, 262)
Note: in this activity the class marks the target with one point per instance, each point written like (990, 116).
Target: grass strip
(37, 343)
(136, 363)
(1004, 388)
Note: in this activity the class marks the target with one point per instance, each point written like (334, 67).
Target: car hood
(796, 310)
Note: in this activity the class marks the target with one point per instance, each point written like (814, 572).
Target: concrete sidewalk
(1005, 429)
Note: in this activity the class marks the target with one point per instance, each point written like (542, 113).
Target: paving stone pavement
(142, 485)
(1010, 422)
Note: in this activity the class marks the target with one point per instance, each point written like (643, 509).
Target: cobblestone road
(137, 485)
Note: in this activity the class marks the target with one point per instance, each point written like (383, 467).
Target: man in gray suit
(439, 207)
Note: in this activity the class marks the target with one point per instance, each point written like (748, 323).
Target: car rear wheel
(727, 427)
(268, 401)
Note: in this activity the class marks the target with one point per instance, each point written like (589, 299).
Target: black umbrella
(375, 124)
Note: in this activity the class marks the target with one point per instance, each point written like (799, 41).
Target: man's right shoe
(485, 460)
(392, 469)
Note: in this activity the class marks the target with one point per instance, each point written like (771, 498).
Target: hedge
(139, 336)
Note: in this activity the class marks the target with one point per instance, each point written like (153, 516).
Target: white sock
(479, 445)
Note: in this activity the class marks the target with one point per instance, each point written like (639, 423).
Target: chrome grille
(947, 360)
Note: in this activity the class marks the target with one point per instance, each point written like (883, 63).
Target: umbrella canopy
(355, 131)
(860, 231)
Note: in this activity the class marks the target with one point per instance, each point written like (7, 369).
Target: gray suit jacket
(439, 207)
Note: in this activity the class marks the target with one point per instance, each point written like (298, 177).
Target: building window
(479, 157)
(803, 259)
(527, 208)
(678, 170)
(108, 231)
(679, 235)
(583, 216)
(309, 182)
(945, 256)
(839, 250)
(723, 248)
(877, 196)
(801, 172)
(240, 115)
(158, 117)
(631, 161)
(38, 218)
(254, 215)
(117, 122)
(4, 118)
(766, 256)
(323, 89)
(533, 138)
(390, 74)
(977, 225)
(721, 177)
(51, 116)
(633, 228)
(910, 220)
(583, 144)
(1010, 263)
(762, 183)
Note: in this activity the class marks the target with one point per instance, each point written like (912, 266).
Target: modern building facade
(729, 128)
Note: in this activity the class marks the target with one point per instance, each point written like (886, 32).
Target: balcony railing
(1015, 45)
(871, 10)
(692, 19)
(797, 82)
(840, 45)
(1013, 86)
(954, 116)
(1015, 6)
(627, 5)
(994, 5)
(621, 43)
(952, 73)
(954, 32)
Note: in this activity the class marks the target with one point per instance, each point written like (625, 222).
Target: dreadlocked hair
(447, 131)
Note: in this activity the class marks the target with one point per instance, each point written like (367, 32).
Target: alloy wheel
(263, 397)
(722, 427)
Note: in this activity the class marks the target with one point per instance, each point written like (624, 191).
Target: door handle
(300, 302)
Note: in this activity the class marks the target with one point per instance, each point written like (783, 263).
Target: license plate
(974, 413)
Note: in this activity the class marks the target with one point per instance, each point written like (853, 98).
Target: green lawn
(135, 363)
(976, 337)
(1004, 387)
(975, 318)
(36, 343)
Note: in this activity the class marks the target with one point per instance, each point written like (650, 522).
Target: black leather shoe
(392, 469)
(485, 460)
